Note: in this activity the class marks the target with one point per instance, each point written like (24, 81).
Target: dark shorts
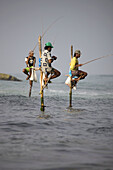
(79, 73)
(51, 72)
(76, 73)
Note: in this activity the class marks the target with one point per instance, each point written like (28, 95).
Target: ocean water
(80, 138)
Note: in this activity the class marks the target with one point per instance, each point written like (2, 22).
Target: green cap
(48, 44)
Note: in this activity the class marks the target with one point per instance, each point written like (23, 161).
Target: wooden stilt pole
(70, 93)
(31, 83)
(41, 76)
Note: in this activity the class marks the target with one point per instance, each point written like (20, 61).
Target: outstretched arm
(79, 65)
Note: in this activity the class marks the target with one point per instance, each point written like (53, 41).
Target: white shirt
(46, 67)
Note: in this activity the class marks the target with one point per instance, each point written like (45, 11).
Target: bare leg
(31, 84)
(82, 74)
(46, 77)
(56, 74)
(25, 72)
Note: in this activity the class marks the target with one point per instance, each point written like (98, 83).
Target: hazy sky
(85, 24)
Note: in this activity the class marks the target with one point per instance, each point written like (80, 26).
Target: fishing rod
(79, 65)
(48, 29)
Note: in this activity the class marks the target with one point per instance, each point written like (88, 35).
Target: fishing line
(51, 25)
(48, 29)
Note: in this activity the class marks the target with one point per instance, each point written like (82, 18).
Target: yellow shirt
(74, 61)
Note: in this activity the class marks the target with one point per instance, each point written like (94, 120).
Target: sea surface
(80, 138)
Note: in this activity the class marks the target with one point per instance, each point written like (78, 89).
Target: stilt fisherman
(74, 67)
(74, 72)
(30, 62)
(46, 60)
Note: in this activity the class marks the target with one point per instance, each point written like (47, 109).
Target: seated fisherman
(74, 68)
(46, 60)
(30, 62)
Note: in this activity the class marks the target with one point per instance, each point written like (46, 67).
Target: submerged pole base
(70, 106)
(42, 104)
(42, 108)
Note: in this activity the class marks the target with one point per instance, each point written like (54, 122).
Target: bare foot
(45, 80)
(74, 82)
(28, 77)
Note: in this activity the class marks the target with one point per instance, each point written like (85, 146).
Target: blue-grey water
(59, 139)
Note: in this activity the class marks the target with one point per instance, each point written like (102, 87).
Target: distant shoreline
(8, 77)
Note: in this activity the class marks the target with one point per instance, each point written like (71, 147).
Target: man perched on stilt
(74, 72)
(30, 62)
(74, 67)
(46, 60)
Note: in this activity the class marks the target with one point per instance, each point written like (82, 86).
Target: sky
(85, 24)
